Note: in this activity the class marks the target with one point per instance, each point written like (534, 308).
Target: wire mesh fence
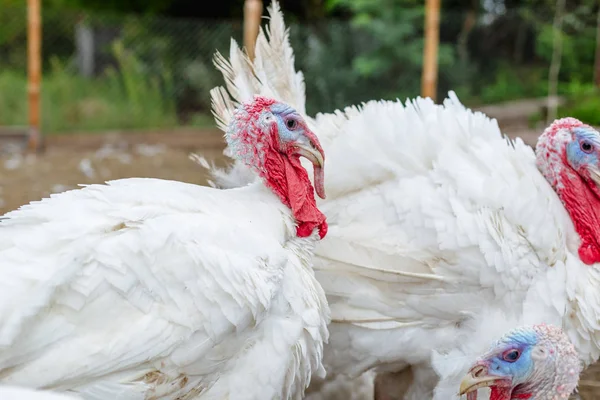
(106, 71)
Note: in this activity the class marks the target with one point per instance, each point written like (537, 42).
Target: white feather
(147, 288)
(436, 223)
(19, 393)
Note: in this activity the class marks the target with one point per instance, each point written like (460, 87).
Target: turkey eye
(512, 356)
(586, 147)
(291, 124)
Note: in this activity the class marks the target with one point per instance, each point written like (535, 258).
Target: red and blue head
(569, 144)
(568, 155)
(270, 137)
(264, 126)
(535, 363)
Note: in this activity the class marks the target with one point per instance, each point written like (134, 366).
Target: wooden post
(430, 52)
(252, 13)
(34, 70)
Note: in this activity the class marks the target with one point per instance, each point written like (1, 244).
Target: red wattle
(504, 393)
(289, 181)
(283, 174)
(584, 208)
(500, 393)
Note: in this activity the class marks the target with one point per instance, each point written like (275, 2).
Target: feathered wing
(119, 293)
(429, 227)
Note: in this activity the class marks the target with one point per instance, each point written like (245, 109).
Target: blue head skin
(533, 363)
(294, 137)
(290, 126)
(583, 151)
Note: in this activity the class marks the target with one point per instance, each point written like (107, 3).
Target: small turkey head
(270, 137)
(535, 363)
(568, 155)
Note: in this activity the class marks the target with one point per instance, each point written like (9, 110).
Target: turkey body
(440, 230)
(464, 234)
(147, 289)
(451, 231)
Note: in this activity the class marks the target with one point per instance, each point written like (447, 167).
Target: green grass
(126, 98)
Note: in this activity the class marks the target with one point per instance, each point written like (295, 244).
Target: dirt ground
(75, 159)
(82, 159)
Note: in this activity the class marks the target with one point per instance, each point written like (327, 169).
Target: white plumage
(19, 393)
(147, 289)
(441, 231)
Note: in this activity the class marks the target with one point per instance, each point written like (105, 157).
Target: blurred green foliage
(122, 97)
(158, 70)
(582, 102)
(584, 108)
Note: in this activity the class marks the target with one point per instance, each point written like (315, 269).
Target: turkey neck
(583, 205)
(503, 393)
(288, 179)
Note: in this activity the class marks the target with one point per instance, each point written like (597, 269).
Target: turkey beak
(310, 148)
(477, 378)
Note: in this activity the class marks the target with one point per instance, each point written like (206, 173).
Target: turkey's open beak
(314, 153)
(479, 377)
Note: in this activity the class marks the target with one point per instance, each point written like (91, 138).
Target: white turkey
(156, 289)
(531, 362)
(444, 226)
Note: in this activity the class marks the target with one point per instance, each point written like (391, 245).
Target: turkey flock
(436, 249)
